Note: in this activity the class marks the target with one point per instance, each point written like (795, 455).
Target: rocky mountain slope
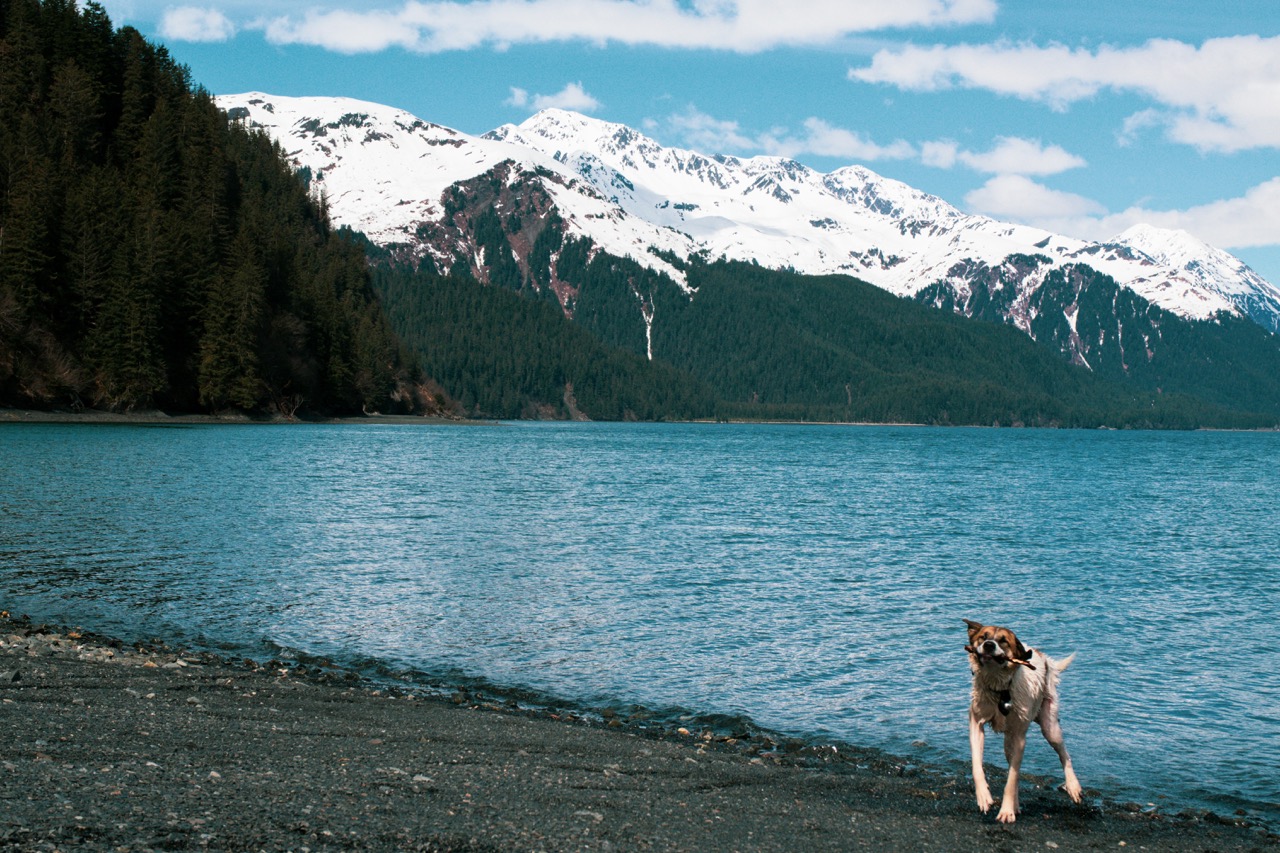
(507, 204)
(406, 183)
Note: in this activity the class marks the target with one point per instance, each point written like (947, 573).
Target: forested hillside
(752, 344)
(1228, 361)
(502, 355)
(777, 344)
(151, 254)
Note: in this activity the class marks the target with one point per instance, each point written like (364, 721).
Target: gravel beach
(115, 746)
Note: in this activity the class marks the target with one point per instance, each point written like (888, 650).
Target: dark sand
(109, 746)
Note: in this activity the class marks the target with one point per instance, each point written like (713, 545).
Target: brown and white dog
(1013, 686)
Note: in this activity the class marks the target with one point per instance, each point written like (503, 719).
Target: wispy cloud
(1018, 198)
(1008, 155)
(1014, 155)
(1221, 96)
(1247, 221)
(702, 132)
(706, 133)
(571, 97)
(824, 140)
(736, 25)
(192, 23)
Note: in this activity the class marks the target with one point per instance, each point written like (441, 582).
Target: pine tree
(229, 369)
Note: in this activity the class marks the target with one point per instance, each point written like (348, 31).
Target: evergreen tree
(229, 370)
(154, 254)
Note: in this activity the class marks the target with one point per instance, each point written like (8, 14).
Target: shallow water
(810, 578)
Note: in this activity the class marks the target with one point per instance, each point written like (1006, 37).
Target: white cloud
(1016, 156)
(709, 134)
(1221, 96)
(738, 25)
(1248, 221)
(1011, 155)
(706, 133)
(346, 32)
(1244, 222)
(824, 140)
(191, 23)
(941, 153)
(1018, 198)
(571, 97)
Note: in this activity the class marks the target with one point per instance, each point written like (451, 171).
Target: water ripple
(809, 578)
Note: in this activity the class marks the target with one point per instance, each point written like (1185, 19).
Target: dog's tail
(1060, 665)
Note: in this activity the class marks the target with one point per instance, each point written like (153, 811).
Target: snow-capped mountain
(389, 174)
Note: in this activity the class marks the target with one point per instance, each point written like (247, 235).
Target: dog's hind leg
(1053, 734)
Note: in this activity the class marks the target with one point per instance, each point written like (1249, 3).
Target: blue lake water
(811, 578)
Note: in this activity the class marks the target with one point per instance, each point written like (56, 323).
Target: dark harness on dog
(1004, 698)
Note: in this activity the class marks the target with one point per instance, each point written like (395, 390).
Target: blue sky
(1082, 116)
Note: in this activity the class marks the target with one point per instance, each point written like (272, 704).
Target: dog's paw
(1072, 787)
(985, 801)
(1007, 815)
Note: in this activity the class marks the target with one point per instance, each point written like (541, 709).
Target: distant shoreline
(155, 416)
(141, 745)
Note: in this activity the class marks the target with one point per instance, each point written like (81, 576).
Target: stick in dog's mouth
(985, 657)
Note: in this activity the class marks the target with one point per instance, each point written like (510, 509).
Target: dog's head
(991, 644)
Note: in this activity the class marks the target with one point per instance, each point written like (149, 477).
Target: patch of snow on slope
(384, 172)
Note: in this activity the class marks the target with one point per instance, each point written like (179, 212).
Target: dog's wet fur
(1013, 686)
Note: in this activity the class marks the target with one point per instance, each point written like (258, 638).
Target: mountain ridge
(634, 197)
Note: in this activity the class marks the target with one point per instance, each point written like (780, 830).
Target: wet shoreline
(114, 745)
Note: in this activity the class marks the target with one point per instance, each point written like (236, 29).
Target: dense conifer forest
(1227, 361)
(153, 254)
(502, 355)
(754, 344)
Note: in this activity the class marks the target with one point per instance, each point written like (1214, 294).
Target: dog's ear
(1021, 652)
(974, 627)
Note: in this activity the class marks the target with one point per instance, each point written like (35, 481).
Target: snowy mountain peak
(386, 172)
(1210, 267)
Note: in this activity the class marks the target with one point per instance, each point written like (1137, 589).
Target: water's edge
(724, 731)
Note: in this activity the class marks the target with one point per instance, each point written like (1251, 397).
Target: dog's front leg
(977, 743)
(1015, 742)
